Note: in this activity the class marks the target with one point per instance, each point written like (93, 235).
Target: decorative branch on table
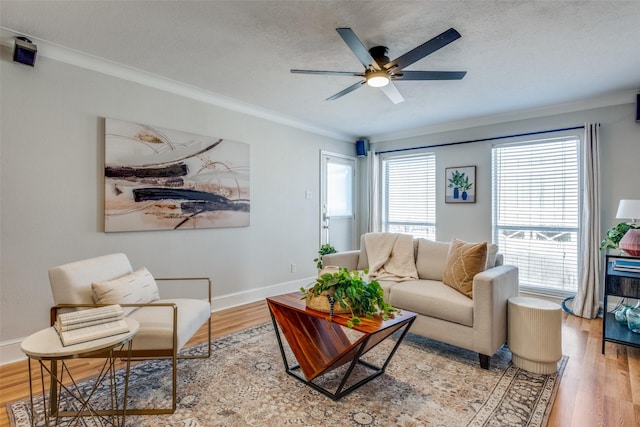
(350, 291)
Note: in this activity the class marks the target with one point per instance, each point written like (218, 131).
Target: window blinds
(536, 219)
(409, 195)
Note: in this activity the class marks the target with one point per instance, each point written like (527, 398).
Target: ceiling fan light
(378, 79)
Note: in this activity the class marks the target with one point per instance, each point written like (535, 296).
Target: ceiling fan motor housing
(379, 53)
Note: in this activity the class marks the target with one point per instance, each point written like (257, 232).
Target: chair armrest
(347, 259)
(53, 312)
(206, 280)
(492, 289)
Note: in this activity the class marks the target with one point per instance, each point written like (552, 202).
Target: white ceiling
(519, 56)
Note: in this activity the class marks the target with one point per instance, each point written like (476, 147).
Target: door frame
(323, 193)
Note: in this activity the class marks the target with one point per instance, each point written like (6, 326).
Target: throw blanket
(390, 256)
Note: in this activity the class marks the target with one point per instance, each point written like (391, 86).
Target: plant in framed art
(460, 184)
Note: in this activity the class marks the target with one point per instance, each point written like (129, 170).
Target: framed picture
(161, 179)
(460, 184)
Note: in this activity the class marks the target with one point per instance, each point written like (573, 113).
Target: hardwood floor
(595, 390)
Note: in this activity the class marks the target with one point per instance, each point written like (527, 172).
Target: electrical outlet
(293, 268)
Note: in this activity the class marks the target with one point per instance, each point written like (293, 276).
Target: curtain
(373, 166)
(585, 303)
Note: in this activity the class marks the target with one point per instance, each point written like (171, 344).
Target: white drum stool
(535, 334)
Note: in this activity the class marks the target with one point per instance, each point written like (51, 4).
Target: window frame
(534, 288)
(431, 192)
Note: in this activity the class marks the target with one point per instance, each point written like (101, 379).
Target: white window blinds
(409, 195)
(536, 217)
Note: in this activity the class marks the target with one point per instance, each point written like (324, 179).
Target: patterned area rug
(427, 383)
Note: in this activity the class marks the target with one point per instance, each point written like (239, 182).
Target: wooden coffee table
(320, 345)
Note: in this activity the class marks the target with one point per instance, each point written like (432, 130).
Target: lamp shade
(629, 209)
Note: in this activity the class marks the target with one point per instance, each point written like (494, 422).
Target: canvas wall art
(460, 184)
(161, 179)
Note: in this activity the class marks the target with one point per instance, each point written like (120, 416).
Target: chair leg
(484, 361)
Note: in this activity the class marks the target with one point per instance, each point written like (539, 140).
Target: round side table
(535, 334)
(46, 346)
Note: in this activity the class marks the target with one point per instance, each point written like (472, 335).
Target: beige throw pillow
(464, 261)
(138, 287)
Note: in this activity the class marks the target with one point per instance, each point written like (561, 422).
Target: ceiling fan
(379, 71)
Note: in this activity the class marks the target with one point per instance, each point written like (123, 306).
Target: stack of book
(87, 325)
(630, 265)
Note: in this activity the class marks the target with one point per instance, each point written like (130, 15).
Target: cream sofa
(478, 324)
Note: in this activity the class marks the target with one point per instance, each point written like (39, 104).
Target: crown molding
(124, 72)
(607, 100)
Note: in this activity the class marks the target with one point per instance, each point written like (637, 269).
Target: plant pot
(323, 303)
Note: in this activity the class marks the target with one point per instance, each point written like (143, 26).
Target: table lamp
(630, 242)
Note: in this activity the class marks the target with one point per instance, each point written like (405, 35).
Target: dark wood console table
(624, 284)
(320, 345)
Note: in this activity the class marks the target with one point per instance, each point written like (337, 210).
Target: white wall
(51, 177)
(620, 170)
(619, 163)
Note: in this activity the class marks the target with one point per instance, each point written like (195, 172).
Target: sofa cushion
(138, 287)
(431, 258)
(492, 254)
(433, 299)
(464, 261)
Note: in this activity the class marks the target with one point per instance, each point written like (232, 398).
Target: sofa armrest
(347, 259)
(492, 289)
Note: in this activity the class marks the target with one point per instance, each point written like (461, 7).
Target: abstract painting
(161, 179)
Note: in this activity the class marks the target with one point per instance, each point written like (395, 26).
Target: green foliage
(351, 291)
(615, 234)
(325, 249)
(459, 180)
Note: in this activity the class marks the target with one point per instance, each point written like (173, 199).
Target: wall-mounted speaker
(25, 51)
(362, 146)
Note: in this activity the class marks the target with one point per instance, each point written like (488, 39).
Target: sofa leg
(484, 361)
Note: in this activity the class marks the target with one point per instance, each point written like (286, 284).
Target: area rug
(427, 383)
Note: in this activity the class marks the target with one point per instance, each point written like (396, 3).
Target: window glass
(409, 195)
(536, 211)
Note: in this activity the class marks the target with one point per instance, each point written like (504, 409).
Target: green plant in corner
(615, 234)
(325, 249)
(350, 291)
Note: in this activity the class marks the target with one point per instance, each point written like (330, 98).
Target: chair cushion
(432, 298)
(464, 261)
(138, 287)
(156, 323)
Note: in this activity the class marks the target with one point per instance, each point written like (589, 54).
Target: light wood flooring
(595, 390)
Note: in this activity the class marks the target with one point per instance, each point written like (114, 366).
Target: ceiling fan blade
(328, 73)
(358, 49)
(346, 91)
(424, 49)
(392, 93)
(430, 75)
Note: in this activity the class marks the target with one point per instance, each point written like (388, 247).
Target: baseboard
(10, 349)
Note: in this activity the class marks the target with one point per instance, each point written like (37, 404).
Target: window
(409, 195)
(536, 211)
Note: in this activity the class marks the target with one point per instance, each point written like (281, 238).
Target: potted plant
(345, 291)
(615, 234)
(325, 249)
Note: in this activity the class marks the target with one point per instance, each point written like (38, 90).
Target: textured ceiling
(519, 56)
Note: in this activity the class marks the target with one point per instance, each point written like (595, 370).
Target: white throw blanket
(390, 256)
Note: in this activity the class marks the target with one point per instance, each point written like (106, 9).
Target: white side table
(535, 334)
(45, 345)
